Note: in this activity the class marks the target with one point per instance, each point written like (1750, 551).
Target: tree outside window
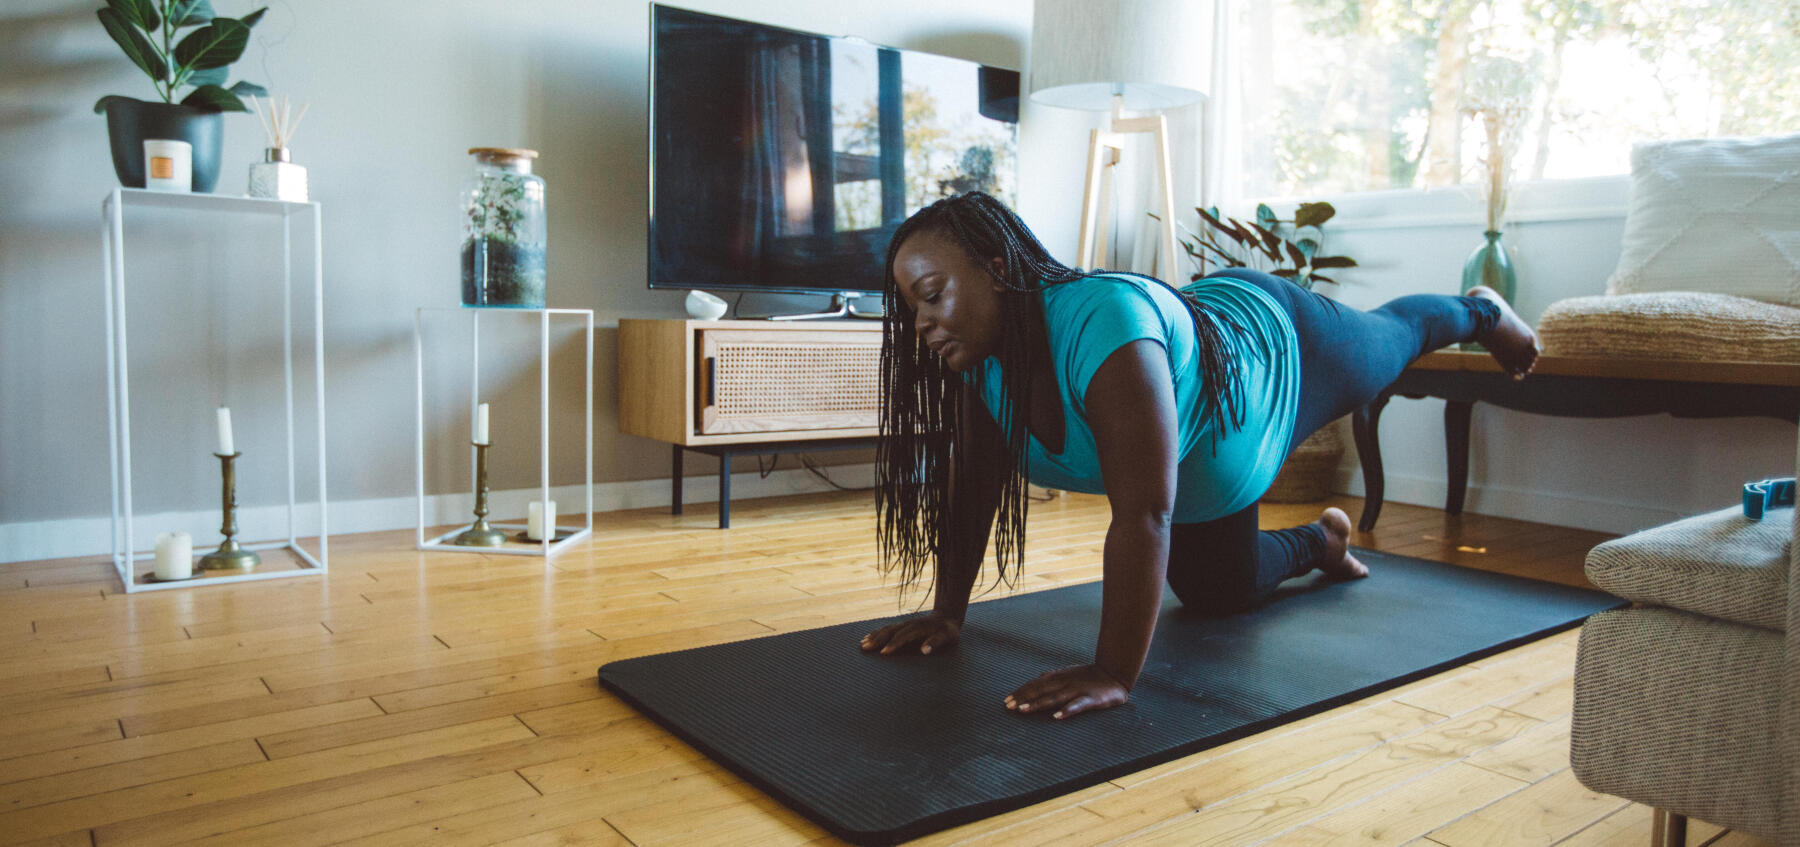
(1360, 95)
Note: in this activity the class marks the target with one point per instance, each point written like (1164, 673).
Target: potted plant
(148, 30)
(1287, 249)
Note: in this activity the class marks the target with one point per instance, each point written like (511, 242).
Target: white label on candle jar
(225, 431)
(540, 520)
(168, 165)
(174, 555)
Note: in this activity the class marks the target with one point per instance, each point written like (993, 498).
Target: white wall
(398, 92)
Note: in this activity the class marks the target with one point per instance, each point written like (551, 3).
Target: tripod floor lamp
(1136, 55)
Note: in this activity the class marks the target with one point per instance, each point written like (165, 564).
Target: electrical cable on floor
(813, 468)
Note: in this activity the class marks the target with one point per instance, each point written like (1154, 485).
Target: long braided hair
(921, 400)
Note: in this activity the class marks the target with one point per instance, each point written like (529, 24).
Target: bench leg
(1365, 424)
(675, 482)
(1456, 451)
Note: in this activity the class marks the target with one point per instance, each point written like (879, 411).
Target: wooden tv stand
(748, 387)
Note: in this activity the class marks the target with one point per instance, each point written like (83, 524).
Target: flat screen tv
(783, 161)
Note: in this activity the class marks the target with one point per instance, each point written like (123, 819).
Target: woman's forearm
(959, 563)
(1135, 562)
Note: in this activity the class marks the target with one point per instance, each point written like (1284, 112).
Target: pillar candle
(540, 520)
(481, 416)
(174, 555)
(168, 165)
(225, 431)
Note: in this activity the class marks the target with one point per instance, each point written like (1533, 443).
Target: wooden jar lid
(503, 152)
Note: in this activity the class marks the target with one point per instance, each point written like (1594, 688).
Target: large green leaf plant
(147, 31)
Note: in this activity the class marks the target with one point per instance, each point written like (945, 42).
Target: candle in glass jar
(481, 421)
(225, 431)
(174, 555)
(540, 520)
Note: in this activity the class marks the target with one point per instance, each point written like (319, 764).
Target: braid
(921, 400)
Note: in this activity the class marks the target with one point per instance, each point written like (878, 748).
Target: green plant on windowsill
(1286, 248)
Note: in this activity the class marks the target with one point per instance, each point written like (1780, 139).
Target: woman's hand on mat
(1070, 691)
(931, 634)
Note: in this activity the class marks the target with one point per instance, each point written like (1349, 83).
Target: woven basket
(1308, 474)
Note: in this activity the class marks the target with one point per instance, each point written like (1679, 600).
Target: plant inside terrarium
(503, 242)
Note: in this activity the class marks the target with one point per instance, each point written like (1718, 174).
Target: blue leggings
(1347, 357)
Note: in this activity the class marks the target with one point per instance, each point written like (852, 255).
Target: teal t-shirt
(1090, 318)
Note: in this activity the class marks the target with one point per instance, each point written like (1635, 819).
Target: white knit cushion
(1713, 214)
(1719, 564)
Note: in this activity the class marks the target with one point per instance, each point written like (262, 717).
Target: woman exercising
(1001, 365)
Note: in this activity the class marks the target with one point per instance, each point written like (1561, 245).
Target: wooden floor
(450, 698)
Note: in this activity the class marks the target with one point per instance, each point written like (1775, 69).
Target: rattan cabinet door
(775, 381)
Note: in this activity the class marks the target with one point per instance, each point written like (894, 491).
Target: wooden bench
(1568, 386)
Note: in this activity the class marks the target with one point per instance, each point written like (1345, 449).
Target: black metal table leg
(675, 482)
(724, 489)
(1365, 423)
(1456, 452)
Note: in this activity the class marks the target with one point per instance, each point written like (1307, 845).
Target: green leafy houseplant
(1285, 248)
(146, 30)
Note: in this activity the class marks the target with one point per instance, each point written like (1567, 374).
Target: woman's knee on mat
(1215, 593)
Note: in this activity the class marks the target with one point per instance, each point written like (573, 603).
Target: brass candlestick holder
(479, 534)
(229, 556)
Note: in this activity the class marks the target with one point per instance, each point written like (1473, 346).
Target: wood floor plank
(1405, 812)
(1544, 813)
(25, 794)
(1293, 801)
(145, 746)
(1630, 827)
(183, 792)
(1536, 753)
(378, 815)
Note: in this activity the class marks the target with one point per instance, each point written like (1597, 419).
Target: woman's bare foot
(1339, 563)
(1511, 342)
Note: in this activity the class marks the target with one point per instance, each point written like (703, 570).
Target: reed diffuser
(276, 176)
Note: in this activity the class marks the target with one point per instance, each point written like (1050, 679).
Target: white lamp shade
(1157, 53)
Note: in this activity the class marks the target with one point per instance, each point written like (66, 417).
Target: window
(1358, 95)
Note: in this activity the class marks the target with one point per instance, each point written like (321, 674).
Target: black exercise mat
(882, 749)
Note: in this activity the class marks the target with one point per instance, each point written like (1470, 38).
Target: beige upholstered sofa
(1690, 700)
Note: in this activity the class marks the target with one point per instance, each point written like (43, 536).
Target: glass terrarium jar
(503, 230)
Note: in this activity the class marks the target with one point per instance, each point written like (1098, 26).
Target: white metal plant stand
(555, 540)
(118, 395)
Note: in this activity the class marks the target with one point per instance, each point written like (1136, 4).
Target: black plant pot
(129, 122)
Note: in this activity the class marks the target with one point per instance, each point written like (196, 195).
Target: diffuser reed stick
(279, 126)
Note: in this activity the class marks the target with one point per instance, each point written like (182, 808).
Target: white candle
(540, 519)
(481, 424)
(174, 555)
(225, 431)
(168, 165)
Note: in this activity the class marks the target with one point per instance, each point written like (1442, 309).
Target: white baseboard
(57, 539)
(1516, 503)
